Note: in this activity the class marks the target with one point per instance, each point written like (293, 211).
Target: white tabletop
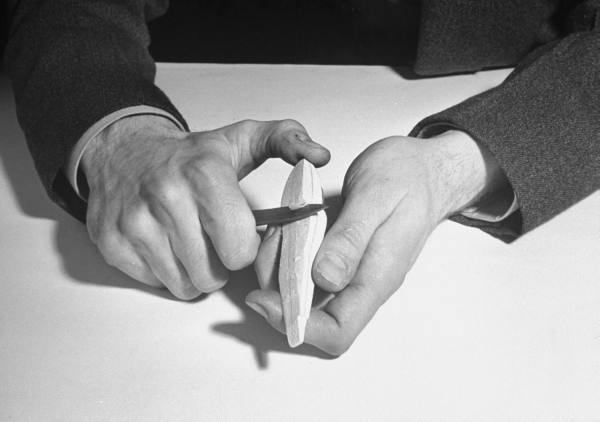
(480, 330)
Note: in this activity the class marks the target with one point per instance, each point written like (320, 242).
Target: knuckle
(167, 192)
(183, 290)
(106, 241)
(204, 172)
(238, 132)
(210, 286)
(238, 258)
(186, 295)
(135, 224)
(248, 124)
(351, 238)
(290, 124)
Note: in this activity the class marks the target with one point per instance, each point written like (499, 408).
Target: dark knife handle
(284, 215)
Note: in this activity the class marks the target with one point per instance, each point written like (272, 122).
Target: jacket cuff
(72, 165)
(541, 125)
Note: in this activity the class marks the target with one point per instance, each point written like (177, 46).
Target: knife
(284, 215)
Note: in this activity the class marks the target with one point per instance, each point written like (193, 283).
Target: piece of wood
(299, 245)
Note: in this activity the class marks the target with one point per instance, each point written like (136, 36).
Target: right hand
(165, 206)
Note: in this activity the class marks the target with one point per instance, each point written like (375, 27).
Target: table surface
(480, 330)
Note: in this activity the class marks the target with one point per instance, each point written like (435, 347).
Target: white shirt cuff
(495, 208)
(72, 165)
(491, 212)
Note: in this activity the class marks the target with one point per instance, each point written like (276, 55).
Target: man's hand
(395, 193)
(165, 206)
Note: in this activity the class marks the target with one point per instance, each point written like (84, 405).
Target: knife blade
(284, 215)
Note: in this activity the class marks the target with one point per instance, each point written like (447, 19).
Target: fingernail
(332, 268)
(258, 309)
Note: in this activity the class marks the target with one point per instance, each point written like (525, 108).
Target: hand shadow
(253, 329)
(81, 261)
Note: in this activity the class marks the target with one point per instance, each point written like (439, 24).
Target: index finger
(257, 141)
(224, 212)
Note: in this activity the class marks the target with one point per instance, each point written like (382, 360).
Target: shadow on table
(253, 329)
(80, 259)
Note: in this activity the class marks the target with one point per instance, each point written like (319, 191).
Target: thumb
(334, 326)
(286, 139)
(366, 207)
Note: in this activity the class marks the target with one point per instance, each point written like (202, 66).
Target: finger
(267, 259)
(191, 244)
(335, 327)
(267, 303)
(152, 243)
(224, 213)
(286, 139)
(120, 254)
(365, 208)
(390, 254)
(167, 268)
(212, 274)
(113, 247)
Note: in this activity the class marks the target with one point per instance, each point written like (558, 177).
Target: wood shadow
(252, 329)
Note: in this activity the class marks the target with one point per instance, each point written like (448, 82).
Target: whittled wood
(300, 243)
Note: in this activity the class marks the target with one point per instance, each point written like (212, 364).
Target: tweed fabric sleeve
(542, 124)
(72, 63)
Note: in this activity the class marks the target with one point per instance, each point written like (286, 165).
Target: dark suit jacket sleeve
(72, 63)
(543, 126)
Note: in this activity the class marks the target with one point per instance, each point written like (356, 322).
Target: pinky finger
(128, 261)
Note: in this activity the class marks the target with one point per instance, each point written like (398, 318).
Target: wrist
(465, 170)
(108, 142)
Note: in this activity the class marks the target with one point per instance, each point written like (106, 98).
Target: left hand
(395, 193)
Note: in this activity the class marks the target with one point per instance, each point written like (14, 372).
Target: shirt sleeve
(72, 166)
(541, 125)
(491, 212)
